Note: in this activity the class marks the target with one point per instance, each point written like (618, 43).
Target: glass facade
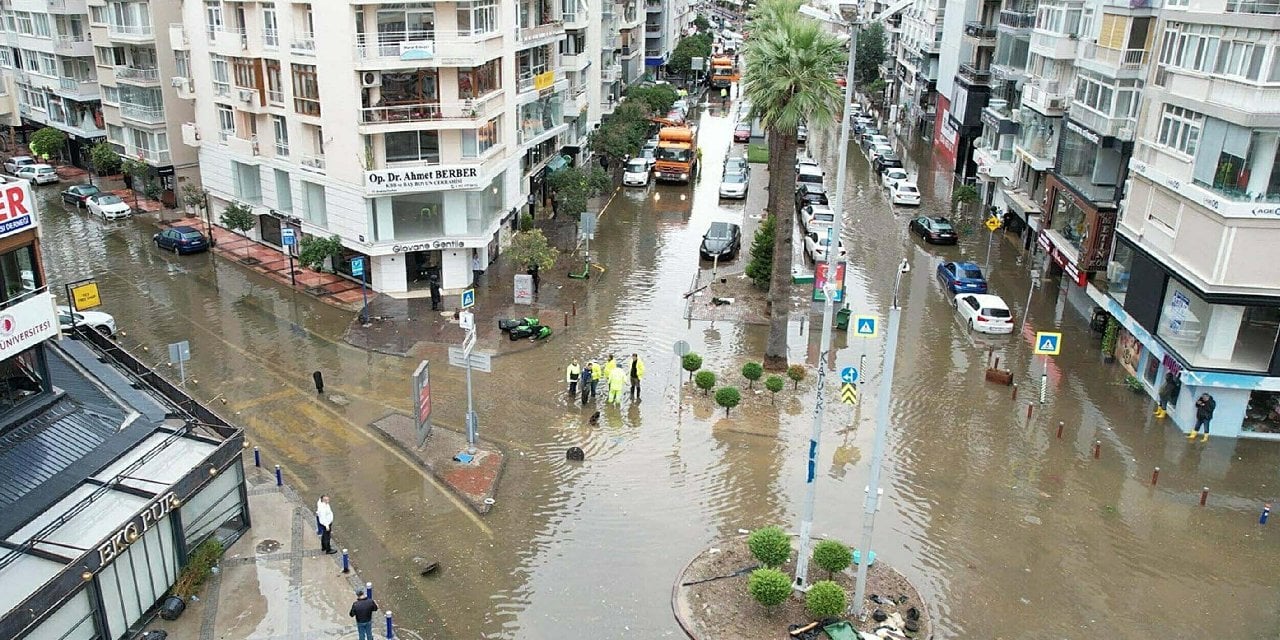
(1118, 271)
(1237, 162)
(216, 510)
(432, 214)
(18, 273)
(1262, 415)
(1093, 170)
(1038, 135)
(139, 577)
(1218, 336)
(1070, 221)
(22, 377)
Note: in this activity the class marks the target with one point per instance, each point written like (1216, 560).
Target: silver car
(734, 185)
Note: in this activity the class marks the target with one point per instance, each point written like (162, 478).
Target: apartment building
(665, 22)
(415, 132)
(994, 159)
(49, 69)
(1193, 278)
(917, 51)
(146, 87)
(959, 119)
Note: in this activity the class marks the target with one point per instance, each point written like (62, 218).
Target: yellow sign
(848, 393)
(85, 296)
(544, 80)
(1048, 344)
(993, 223)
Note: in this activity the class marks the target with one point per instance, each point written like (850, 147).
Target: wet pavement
(1010, 531)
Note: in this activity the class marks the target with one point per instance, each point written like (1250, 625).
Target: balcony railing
(312, 163)
(142, 113)
(541, 30)
(63, 42)
(1127, 59)
(149, 155)
(1263, 7)
(1017, 19)
(78, 87)
(1046, 96)
(270, 38)
(304, 44)
(976, 29)
(232, 37)
(975, 75)
(390, 44)
(132, 31)
(427, 111)
(1121, 128)
(137, 74)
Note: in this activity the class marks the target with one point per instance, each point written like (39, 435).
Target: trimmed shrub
(826, 599)
(774, 384)
(728, 397)
(770, 545)
(752, 372)
(769, 587)
(832, 555)
(797, 373)
(705, 381)
(691, 362)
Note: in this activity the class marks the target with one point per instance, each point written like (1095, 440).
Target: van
(809, 174)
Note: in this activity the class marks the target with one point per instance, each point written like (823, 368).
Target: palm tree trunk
(782, 184)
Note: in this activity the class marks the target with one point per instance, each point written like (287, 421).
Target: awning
(557, 163)
(1021, 203)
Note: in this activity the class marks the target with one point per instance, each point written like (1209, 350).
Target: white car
(103, 323)
(636, 173)
(815, 246)
(904, 192)
(810, 174)
(816, 218)
(984, 313)
(109, 206)
(734, 185)
(879, 151)
(892, 176)
(17, 162)
(808, 165)
(38, 173)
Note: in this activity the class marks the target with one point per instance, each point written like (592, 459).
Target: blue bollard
(279, 477)
(1266, 513)
(257, 458)
(389, 635)
(346, 562)
(368, 590)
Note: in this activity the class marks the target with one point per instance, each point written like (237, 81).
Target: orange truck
(723, 72)
(677, 155)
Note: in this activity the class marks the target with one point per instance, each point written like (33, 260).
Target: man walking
(324, 518)
(362, 610)
(1204, 413)
(587, 380)
(637, 372)
(477, 267)
(571, 375)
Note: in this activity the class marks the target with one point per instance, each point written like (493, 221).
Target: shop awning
(557, 163)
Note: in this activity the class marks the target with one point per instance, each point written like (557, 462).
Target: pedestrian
(555, 204)
(597, 374)
(617, 380)
(637, 372)
(362, 610)
(1204, 413)
(324, 519)
(533, 271)
(1168, 391)
(477, 267)
(435, 292)
(724, 94)
(609, 366)
(571, 375)
(588, 381)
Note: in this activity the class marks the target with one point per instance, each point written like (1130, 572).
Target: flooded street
(1011, 532)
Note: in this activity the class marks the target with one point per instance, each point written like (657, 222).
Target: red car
(742, 133)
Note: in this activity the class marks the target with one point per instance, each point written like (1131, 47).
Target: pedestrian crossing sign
(1048, 344)
(865, 326)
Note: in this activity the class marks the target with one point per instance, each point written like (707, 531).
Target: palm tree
(791, 62)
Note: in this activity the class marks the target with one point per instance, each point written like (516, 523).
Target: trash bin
(842, 319)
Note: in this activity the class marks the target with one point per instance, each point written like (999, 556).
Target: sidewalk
(274, 583)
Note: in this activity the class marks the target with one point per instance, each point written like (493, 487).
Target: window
(1217, 336)
(6, 58)
(475, 142)
(217, 510)
(30, 60)
(226, 122)
(1118, 272)
(413, 146)
(110, 95)
(1240, 59)
(406, 22)
(110, 56)
(1238, 162)
(306, 92)
(245, 71)
(1213, 49)
(313, 203)
(213, 17)
(24, 23)
(246, 181)
(1094, 94)
(475, 82)
(284, 191)
(24, 378)
(275, 85)
(475, 18)
(221, 75)
(48, 64)
(270, 30)
(1180, 129)
(97, 15)
(40, 24)
(115, 133)
(280, 128)
(18, 273)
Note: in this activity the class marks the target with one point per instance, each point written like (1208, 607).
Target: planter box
(999, 376)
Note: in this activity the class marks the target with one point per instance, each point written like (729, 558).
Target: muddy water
(1012, 532)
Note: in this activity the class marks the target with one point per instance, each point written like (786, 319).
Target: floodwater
(1011, 532)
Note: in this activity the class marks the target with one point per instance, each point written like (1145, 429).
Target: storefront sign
(434, 245)
(421, 50)
(17, 208)
(1061, 259)
(85, 296)
(1102, 238)
(1178, 311)
(422, 401)
(425, 179)
(1128, 351)
(1084, 133)
(27, 324)
(1205, 197)
(130, 533)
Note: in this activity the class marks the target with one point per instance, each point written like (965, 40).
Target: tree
(833, 556)
(760, 267)
(238, 218)
(530, 248)
(728, 397)
(875, 91)
(657, 97)
(313, 251)
(624, 131)
(702, 24)
(574, 186)
(152, 190)
(47, 142)
(770, 545)
(691, 362)
(689, 47)
(796, 372)
(826, 599)
(769, 587)
(193, 195)
(964, 195)
(752, 372)
(705, 381)
(135, 171)
(104, 159)
(871, 53)
(791, 62)
(774, 384)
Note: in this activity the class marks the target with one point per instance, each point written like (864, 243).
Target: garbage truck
(677, 155)
(723, 73)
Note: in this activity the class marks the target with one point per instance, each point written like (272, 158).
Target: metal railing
(540, 30)
(976, 29)
(130, 30)
(304, 44)
(67, 41)
(270, 38)
(282, 149)
(78, 87)
(1018, 19)
(125, 72)
(388, 44)
(312, 163)
(1115, 127)
(142, 113)
(975, 75)
(150, 155)
(232, 37)
(1130, 59)
(1263, 7)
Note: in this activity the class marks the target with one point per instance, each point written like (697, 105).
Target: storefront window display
(1070, 222)
(1218, 336)
(1263, 413)
(1118, 271)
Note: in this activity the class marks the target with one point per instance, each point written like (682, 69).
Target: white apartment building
(1193, 277)
(415, 132)
(146, 87)
(919, 44)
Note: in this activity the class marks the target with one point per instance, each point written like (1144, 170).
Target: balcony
(985, 34)
(138, 75)
(150, 156)
(178, 37)
(993, 164)
(73, 45)
(1054, 45)
(652, 6)
(312, 163)
(652, 30)
(231, 40)
(611, 74)
(541, 33)
(1119, 63)
(242, 147)
(77, 89)
(431, 48)
(1045, 97)
(574, 61)
(973, 75)
(131, 32)
(1256, 7)
(304, 44)
(146, 114)
(1017, 21)
(630, 50)
(1102, 124)
(465, 114)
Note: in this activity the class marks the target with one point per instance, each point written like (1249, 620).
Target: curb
(482, 507)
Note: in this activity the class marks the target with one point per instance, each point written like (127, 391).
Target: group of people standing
(615, 376)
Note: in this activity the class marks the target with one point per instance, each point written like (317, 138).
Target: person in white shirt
(324, 518)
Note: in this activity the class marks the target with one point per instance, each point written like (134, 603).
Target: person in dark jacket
(586, 382)
(435, 292)
(1168, 393)
(362, 610)
(1204, 413)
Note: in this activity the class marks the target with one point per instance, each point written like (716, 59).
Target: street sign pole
(290, 240)
(472, 427)
(1044, 380)
(358, 269)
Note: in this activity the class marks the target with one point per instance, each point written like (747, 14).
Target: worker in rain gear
(587, 380)
(597, 374)
(609, 366)
(617, 380)
(571, 375)
(636, 371)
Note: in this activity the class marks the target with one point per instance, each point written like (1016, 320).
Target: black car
(937, 230)
(810, 193)
(886, 161)
(723, 240)
(181, 239)
(79, 194)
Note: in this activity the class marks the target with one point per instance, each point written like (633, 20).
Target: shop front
(1077, 232)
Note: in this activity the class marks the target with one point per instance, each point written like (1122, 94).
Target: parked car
(733, 185)
(962, 277)
(38, 174)
(737, 164)
(886, 161)
(984, 313)
(109, 206)
(867, 132)
(936, 230)
(77, 194)
(861, 124)
(816, 217)
(802, 133)
(181, 239)
(17, 162)
(742, 132)
(650, 156)
(877, 151)
(809, 193)
(722, 240)
(103, 323)
(809, 174)
(891, 177)
(904, 192)
(816, 244)
(808, 164)
(635, 173)
(872, 141)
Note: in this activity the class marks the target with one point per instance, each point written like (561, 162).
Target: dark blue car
(962, 277)
(181, 239)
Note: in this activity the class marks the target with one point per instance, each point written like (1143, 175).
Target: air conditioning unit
(177, 82)
(1058, 103)
(984, 170)
(1125, 133)
(370, 79)
(246, 96)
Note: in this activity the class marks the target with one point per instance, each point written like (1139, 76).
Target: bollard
(1155, 476)
(346, 561)
(1097, 449)
(279, 477)
(368, 590)
(1060, 425)
(257, 457)
(319, 380)
(566, 319)
(389, 635)
(1204, 495)
(1015, 391)
(1266, 513)
(575, 308)
(1030, 408)
(997, 362)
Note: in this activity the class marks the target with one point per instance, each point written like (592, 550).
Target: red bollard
(575, 308)
(1060, 425)
(1155, 476)
(1204, 495)
(566, 319)
(1030, 408)
(1015, 391)
(1097, 449)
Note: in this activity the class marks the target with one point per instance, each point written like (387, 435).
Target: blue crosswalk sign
(1048, 344)
(864, 326)
(357, 267)
(849, 375)
(468, 298)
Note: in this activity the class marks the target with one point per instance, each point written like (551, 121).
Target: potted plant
(1135, 385)
(199, 567)
(1109, 338)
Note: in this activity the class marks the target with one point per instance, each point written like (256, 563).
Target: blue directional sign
(849, 375)
(1048, 344)
(357, 267)
(468, 298)
(287, 238)
(865, 326)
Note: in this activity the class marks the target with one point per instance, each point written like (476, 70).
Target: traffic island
(475, 480)
(716, 606)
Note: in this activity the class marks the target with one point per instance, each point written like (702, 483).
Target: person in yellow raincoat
(609, 366)
(596, 375)
(617, 381)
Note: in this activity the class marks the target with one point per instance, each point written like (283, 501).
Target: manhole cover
(268, 546)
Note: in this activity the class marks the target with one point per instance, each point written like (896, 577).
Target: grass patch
(757, 153)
